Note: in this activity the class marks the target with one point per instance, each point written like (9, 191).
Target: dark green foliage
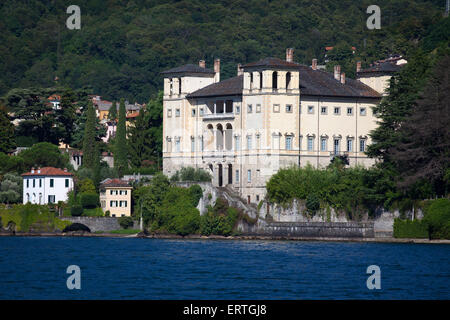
(410, 229)
(11, 188)
(44, 154)
(89, 151)
(7, 137)
(196, 193)
(312, 203)
(76, 211)
(120, 141)
(220, 219)
(10, 164)
(112, 114)
(89, 200)
(191, 174)
(126, 222)
(437, 217)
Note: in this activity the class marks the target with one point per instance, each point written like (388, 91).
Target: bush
(220, 219)
(107, 213)
(196, 194)
(76, 211)
(437, 216)
(191, 174)
(89, 200)
(410, 229)
(312, 203)
(126, 222)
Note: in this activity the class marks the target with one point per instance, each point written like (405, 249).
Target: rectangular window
(237, 143)
(177, 145)
(238, 109)
(362, 145)
(177, 112)
(193, 145)
(362, 111)
(349, 111)
(323, 110)
(258, 108)
(52, 183)
(336, 146)
(202, 112)
(34, 183)
(237, 176)
(337, 110)
(67, 183)
(249, 108)
(51, 199)
(249, 142)
(310, 109)
(349, 145)
(310, 143)
(323, 144)
(169, 113)
(249, 175)
(193, 112)
(40, 183)
(288, 143)
(28, 183)
(110, 192)
(289, 108)
(276, 108)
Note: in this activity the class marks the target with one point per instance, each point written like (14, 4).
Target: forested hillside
(123, 45)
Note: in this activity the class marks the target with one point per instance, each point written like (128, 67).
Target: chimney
(337, 72)
(358, 66)
(343, 77)
(240, 70)
(202, 64)
(217, 70)
(290, 55)
(314, 64)
(32, 169)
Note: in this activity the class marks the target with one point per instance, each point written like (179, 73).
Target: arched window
(274, 80)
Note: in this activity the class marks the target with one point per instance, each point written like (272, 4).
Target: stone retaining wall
(99, 223)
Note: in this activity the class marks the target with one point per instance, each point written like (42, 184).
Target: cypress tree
(120, 142)
(112, 114)
(89, 138)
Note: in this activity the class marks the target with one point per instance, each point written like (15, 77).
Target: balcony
(218, 116)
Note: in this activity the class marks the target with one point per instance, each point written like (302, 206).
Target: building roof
(272, 63)
(322, 83)
(114, 183)
(48, 171)
(189, 68)
(228, 87)
(382, 67)
(312, 83)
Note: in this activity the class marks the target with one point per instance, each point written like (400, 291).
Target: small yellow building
(115, 197)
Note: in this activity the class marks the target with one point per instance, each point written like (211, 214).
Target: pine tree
(423, 153)
(7, 138)
(120, 141)
(89, 138)
(112, 114)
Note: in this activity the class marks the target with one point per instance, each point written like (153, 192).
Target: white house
(46, 185)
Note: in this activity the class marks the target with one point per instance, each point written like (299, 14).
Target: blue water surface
(131, 268)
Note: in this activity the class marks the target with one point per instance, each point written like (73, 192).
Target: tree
(397, 106)
(44, 154)
(120, 141)
(112, 114)
(11, 188)
(140, 139)
(423, 152)
(7, 137)
(89, 138)
(66, 116)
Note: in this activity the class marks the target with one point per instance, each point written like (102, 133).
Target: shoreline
(215, 237)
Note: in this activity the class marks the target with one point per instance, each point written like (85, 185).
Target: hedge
(410, 229)
(89, 200)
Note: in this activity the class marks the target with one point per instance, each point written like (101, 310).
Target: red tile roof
(133, 115)
(115, 183)
(48, 171)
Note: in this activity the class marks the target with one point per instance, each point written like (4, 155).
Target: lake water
(119, 268)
